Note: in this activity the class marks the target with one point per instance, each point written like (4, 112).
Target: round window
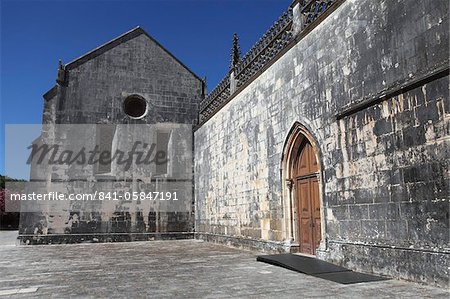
(135, 106)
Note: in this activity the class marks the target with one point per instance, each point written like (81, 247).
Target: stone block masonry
(363, 85)
(92, 91)
(370, 84)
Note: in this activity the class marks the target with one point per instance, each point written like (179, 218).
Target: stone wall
(97, 87)
(384, 175)
(91, 90)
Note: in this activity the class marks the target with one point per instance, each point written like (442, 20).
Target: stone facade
(367, 85)
(370, 84)
(90, 94)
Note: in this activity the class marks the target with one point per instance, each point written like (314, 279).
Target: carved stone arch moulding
(297, 136)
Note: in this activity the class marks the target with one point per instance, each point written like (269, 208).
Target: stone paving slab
(170, 269)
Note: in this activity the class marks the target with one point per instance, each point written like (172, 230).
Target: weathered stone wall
(384, 173)
(96, 89)
(92, 90)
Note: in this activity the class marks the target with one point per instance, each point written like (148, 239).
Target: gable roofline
(135, 32)
(50, 93)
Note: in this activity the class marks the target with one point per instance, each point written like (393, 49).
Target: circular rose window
(135, 106)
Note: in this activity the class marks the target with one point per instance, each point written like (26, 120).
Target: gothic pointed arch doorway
(302, 174)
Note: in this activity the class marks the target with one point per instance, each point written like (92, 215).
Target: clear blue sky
(35, 34)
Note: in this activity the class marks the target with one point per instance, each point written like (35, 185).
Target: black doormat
(350, 277)
(300, 263)
(317, 268)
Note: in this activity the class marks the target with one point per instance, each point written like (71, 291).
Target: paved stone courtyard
(169, 269)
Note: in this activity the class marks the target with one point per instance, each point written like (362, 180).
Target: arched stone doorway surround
(301, 174)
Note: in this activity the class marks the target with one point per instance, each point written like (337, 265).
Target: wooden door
(308, 200)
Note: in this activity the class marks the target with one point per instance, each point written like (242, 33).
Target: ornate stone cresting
(292, 22)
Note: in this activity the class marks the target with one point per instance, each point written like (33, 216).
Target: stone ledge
(247, 243)
(423, 249)
(100, 238)
(420, 266)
